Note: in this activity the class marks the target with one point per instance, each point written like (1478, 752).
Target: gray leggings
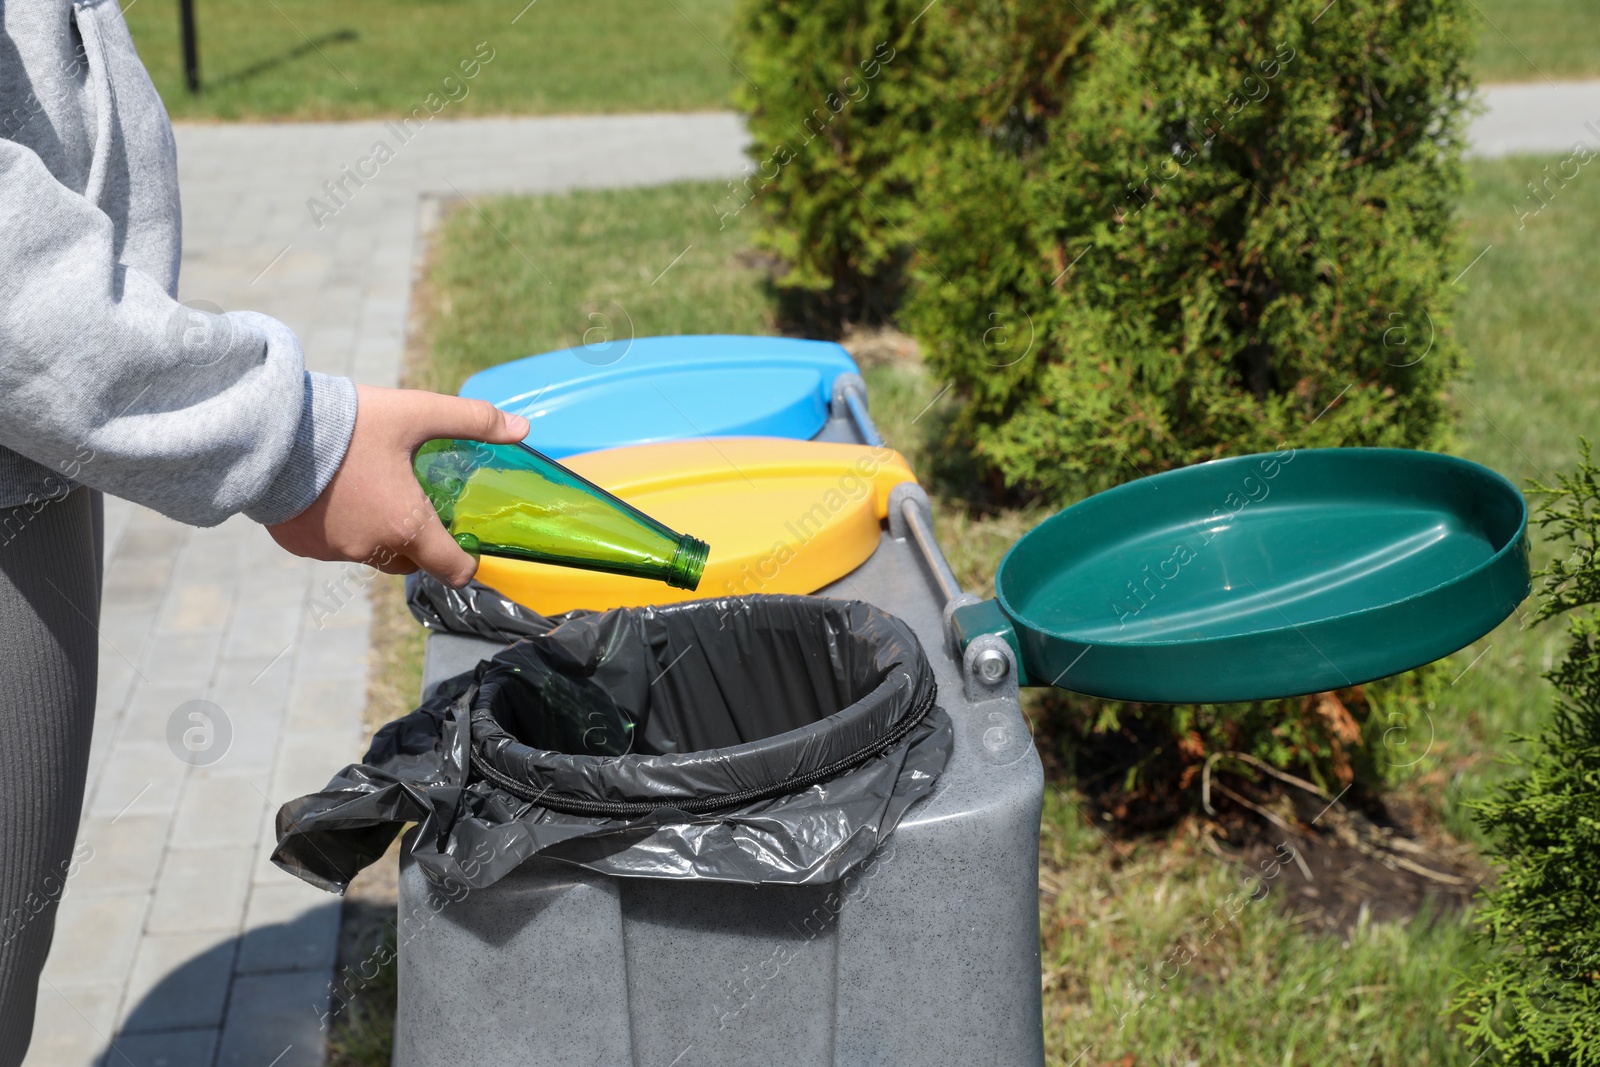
(49, 611)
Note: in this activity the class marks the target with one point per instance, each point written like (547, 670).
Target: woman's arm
(106, 378)
(101, 370)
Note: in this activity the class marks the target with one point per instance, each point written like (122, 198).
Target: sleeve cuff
(327, 417)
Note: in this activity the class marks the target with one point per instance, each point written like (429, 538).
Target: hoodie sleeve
(108, 379)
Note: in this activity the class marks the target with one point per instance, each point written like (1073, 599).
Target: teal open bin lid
(666, 389)
(1260, 576)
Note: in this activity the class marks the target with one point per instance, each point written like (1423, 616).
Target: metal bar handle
(850, 392)
(909, 504)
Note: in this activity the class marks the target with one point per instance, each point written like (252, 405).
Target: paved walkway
(1540, 117)
(178, 942)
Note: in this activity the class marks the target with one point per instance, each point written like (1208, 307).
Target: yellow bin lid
(781, 516)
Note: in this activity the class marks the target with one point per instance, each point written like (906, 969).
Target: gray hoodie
(105, 379)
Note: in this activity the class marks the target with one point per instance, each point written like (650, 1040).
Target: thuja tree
(1234, 233)
(1538, 1000)
(851, 105)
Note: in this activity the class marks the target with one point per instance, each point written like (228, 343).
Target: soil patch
(1381, 862)
(1346, 885)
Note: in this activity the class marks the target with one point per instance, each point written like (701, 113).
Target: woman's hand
(373, 511)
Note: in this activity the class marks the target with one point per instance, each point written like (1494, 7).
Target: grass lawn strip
(1532, 387)
(1532, 40)
(300, 59)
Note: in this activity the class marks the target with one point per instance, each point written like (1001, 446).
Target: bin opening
(787, 671)
(699, 706)
(761, 740)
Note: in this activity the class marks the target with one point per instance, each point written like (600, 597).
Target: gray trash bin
(925, 953)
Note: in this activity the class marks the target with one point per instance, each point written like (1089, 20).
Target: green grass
(1531, 40)
(531, 275)
(1244, 982)
(1527, 317)
(303, 59)
(1533, 386)
(362, 1034)
(1264, 990)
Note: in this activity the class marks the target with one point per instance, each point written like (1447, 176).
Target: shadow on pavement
(246, 1001)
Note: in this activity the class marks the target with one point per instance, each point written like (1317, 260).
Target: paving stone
(125, 636)
(150, 537)
(140, 778)
(124, 601)
(96, 938)
(118, 513)
(214, 557)
(354, 616)
(346, 606)
(183, 659)
(257, 676)
(351, 576)
(262, 629)
(71, 1024)
(179, 981)
(134, 588)
(332, 653)
(195, 607)
(151, 708)
(114, 680)
(219, 810)
(176, 1048)
(307, 760)
(276, 1019)
(100, 743)
(314, 705)
(265, 871)
(289, 926)
(126, 854)
(135, 585)
(201, 890)
(257, 727)
(107, 723)
(278, 582)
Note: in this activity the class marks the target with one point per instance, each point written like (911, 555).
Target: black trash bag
(759, 739)
(476, 611)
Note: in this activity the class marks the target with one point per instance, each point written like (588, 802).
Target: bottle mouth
(688, 563)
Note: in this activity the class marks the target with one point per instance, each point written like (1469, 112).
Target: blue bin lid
(666, 389)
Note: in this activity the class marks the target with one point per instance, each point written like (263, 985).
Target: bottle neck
(687, 563)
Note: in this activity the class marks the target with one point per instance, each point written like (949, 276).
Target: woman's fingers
(373, 510)
(435, 551)
(398, 565)
(467, 420)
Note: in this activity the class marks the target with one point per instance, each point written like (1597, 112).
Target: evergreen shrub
(1537, 1001)
(1235, 235)
(849, 106)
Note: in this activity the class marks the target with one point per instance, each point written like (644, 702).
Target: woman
(107, 386)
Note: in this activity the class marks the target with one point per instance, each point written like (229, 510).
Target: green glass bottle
(508, 500)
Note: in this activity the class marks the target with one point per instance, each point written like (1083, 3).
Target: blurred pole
(191, 47)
